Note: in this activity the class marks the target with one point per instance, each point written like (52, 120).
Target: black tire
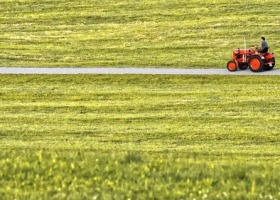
(268, 67)
(243, 66)
(232, 65)
(256, 64)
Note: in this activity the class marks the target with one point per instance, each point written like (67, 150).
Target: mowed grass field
(136, 136)
(139, 137)
(148, 33)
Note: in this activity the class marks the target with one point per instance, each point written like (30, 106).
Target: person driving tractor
(264, 46)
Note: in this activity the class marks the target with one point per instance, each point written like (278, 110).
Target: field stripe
(153, 71)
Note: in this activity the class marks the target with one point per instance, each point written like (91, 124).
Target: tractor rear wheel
(232, 65)
(256, 64)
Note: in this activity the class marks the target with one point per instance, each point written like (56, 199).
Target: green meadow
(148, 33)
(139, 137)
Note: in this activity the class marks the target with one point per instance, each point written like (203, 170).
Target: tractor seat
(265, 50)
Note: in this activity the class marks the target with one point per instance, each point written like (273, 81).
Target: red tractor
(257, 62)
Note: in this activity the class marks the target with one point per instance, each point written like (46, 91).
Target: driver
(264, 46)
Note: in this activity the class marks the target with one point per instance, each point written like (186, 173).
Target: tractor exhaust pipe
(245, 48)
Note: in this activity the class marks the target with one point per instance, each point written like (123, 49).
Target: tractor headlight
(262, 57)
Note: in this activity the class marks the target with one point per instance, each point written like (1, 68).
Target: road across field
(170, 71)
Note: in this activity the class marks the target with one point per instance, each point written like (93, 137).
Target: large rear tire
(256, 64)
(232, 65)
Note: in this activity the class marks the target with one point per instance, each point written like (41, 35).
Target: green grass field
(139, 137)
(135, 136)
(157, 33)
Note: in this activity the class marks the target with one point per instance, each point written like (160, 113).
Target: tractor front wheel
(232, 65)
(256, 64)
